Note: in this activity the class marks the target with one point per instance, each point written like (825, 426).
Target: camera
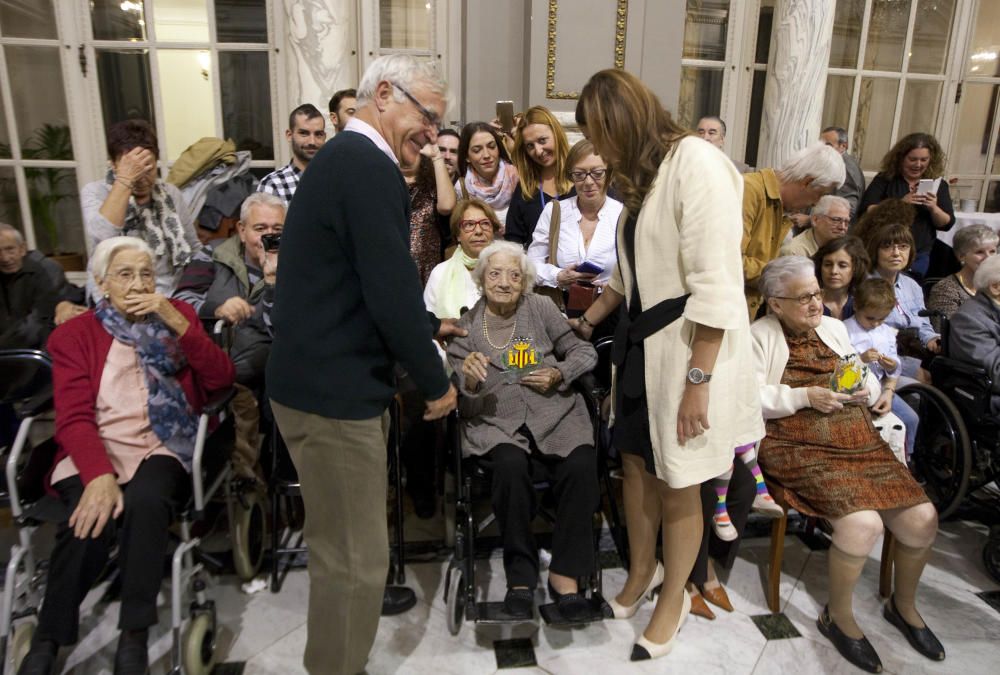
(270, 242)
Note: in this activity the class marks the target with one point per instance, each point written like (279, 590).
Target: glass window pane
(765, 23)
(837, 100)
(985, 45)
(22, 19)
(975, 122)
(181, 21)
(10, 209)
(55, 210)
(887, 35)
(846, 33)
(701, 94)
(405, 24)
(705, 29)
(919, 107)
(37, 108)
(186, 93)
(931, 36)
(246, 102)
(756, 114)
(241, 20)
(993, 197)
(965, 188)
(118, 19)
(126, 90)
(876, 106)
(5, 152)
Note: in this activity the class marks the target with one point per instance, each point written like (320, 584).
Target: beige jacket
(688, 241)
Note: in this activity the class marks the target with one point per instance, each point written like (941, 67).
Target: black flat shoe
(132, 656)
(397, 599)
(922, 639)
(519, 602)
(41, 658)
(859, 652)
(572, 606)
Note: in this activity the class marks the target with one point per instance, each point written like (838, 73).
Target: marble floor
(265, 633)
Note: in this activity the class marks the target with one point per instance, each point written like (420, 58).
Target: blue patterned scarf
(170, 414)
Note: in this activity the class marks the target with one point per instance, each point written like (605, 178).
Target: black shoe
(519, 602)
(922, 639)
(397, 599)
(424, 505)
(132, 656)
(572, 606)
(858, 651)
(41, 658)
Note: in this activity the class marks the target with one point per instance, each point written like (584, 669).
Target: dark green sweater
(348, 301)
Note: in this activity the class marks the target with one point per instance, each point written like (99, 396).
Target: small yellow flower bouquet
(849, 375)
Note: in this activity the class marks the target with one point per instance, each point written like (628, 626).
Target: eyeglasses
(838, 220)
(581, 176)
(126, 276)
(470, 225)
(803, 299)
(894, 247)
(431, 118)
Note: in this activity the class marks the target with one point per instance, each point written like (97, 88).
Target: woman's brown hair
(886, 212)
(458, 213)
(860, 263)
(470, 130)
(893, 159)
(630, 129)
(580, 151)
(887, 235)
(528, 170)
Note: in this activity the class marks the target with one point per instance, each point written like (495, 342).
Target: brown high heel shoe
(699, 607)
(717, 596)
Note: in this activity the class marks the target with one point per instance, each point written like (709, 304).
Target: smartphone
(270, 242)
(505, 113)
(587, 267)
(928, 185)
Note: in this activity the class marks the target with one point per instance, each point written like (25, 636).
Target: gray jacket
(231, 278)
(975, 337)
(854, 185)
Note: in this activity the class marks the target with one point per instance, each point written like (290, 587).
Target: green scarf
(451, 296)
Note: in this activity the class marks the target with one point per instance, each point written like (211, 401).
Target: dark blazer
(975, 338)
(27, 307)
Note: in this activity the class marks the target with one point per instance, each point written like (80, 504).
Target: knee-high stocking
(909, 564)
(844, 572)
(642, 517)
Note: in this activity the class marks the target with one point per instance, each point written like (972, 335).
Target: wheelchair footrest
(493, 612)
(599, 610)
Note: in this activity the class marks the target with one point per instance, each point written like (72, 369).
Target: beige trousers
(342, 468)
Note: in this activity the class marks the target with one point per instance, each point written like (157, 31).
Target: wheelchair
(460, 578)
(27, 387)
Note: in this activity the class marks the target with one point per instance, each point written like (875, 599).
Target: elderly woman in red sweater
(129, 379)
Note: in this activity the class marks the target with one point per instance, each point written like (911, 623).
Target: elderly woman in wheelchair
(129, 378)
(524, 423)
(974, 330)
(823, 457)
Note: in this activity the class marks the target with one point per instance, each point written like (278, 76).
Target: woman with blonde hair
(539, 154)
(685, 390)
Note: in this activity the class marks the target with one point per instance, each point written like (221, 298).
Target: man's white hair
(402, 70)
(987, 274)
(13, 231)
(827, 202)
(260, 199)
(515, 251)
(818, 161)
(105, 252)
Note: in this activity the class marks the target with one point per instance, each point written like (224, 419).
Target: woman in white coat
(685, 393)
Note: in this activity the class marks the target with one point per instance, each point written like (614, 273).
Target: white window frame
(440, 40)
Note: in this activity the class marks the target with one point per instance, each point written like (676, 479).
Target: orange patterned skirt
(830, 465)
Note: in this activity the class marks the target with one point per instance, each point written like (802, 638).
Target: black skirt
(630, 434)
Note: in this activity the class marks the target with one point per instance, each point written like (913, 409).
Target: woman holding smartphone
(907, 172)
(686, 394)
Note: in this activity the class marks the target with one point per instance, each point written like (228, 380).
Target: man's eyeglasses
(470, 225)
(431, 118)
(581, 176)
(838, 220)
(803, 299)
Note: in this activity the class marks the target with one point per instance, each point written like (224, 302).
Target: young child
(763, 502)
(874, 300)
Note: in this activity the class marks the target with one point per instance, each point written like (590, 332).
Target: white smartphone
(928, 185)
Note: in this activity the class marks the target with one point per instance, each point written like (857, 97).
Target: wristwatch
(698, 376)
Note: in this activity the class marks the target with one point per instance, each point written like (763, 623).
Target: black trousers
(152, 498)
(739, 499)
(574, 482)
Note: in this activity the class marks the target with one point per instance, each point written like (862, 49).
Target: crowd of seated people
(471, 188)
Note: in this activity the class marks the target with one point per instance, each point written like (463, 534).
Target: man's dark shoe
(424, 505)
(132, 656)
(922, 639)
(858, 651)
(397, 599)
(573, 607)
(519, 602)
(41, 658)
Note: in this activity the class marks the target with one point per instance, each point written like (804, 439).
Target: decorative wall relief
(585, 55)
(320, 35)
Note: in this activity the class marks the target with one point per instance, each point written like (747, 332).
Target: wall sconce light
(205, 61)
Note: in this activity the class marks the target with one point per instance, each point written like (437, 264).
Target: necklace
(486, 335)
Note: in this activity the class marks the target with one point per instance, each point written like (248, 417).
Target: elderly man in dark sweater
(347, 308)
(27, 295)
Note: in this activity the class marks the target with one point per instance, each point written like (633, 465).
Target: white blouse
(601, 252)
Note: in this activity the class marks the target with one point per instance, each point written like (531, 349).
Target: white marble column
(796, 78)
(320, 38)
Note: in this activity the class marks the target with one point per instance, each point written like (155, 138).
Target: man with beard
(306, 134)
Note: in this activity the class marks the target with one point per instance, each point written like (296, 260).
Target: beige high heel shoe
(623, 612)
(644, 650)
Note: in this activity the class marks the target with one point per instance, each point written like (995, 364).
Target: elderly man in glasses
(829, 219)
(347, 310)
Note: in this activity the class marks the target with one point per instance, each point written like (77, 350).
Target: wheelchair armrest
(218, 401)
(36, 405)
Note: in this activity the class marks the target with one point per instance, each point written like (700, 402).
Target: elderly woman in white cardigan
(823, 457)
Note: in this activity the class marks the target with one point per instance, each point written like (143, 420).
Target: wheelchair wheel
(942, 454)
(199, 645)
(991, 553)
(455, 601)
(21, 642)
(248, 534)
